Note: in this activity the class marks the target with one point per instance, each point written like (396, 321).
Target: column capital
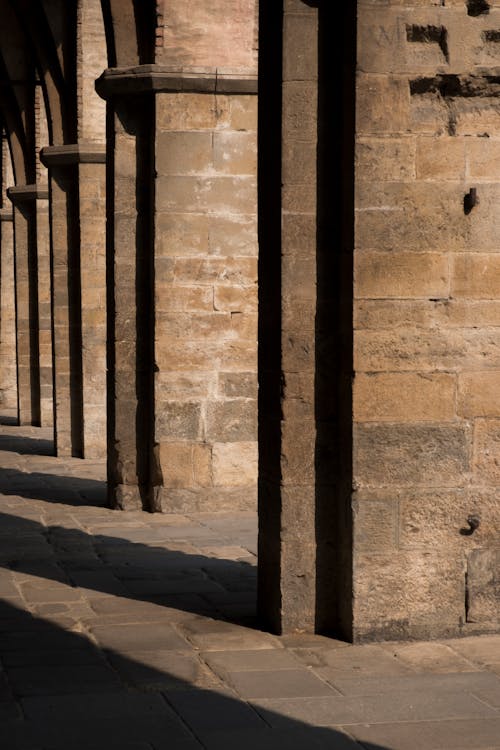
(24, 193)
(6, 214)
(144, 79)
(73, 153)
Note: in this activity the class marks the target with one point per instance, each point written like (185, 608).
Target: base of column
(208, 500)
(125, 497)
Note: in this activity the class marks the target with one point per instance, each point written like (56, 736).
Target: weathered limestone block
(487, 452)
(437, 518)
(401, 594)
(476, 276)
(433, 349)
(376, 525)
(440, 313)
(478, 394)
(402, 274)
(483, 586)
(200, 35)
(404, 397)
(411, 455)
(379, 158)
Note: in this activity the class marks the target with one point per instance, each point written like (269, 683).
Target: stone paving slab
(164, 670)
(133, 637)
(74, 678)
(64, 734)
(255, 660)
(206, 711)
(354, 661)
(138, 631)
(266, 739)
(476, 683)
(481, 734)
(436, 657)
(394, 707)
(282, 684)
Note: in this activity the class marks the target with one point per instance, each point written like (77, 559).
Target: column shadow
(26, 445)
(58, 689)
(112, 565)
(52, 488)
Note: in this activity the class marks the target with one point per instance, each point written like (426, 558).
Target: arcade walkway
(133, 631)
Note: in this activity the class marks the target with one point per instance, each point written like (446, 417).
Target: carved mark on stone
(429, 35)
(491, 35)
(451, 88)
(454, 86)
(477, 7)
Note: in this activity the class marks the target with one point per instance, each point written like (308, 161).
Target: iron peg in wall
(470, 200)
(474, 522)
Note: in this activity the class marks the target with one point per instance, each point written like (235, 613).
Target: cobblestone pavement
(133, 631)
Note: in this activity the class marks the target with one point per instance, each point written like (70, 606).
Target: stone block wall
(8, 376)
(43, 269)
(195, 33)
(44, 312)
(92, 207)
(427, 319)
(206, 300)
(91, 61)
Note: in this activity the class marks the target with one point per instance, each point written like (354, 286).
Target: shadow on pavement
(26, 445)
(109, 564)
(59, 690)
(53, 488)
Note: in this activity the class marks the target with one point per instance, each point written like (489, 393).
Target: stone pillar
(206, 292)
(305, 320)
(44, 312)
(132, 477)
(187, 374)
(8, 375)
(77, 183)
(427, 321)
(287, 430)
(44, 277)
(24, 198)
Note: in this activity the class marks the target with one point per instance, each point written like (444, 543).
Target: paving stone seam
(485, 702)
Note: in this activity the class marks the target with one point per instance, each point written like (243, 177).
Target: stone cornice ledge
(23, 193)
(74, 153)
(145, 79)
(6, 214)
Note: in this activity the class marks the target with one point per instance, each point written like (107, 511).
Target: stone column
(305, 311)
(77, 184)
(206, 291)
(130, 141)
(44, 312)
(186, 376)
(8, 375)
(287, 430)
(24, 198)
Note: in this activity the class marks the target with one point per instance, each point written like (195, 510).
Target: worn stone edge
(20, 193)
(75, 153)
(6, 214)
(145, 79)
